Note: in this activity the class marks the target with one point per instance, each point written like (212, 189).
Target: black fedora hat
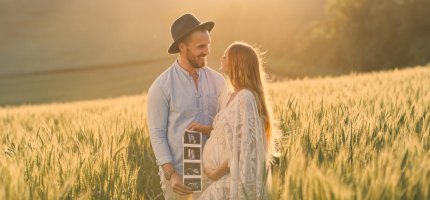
(183, 26)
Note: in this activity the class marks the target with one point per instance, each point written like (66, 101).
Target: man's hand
(175, 180)
(195, 126)
(177, 186)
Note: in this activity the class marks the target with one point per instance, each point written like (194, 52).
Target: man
(186, 92)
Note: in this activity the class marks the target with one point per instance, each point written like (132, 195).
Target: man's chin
(201, 65)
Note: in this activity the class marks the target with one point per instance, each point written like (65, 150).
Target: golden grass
(353, 137)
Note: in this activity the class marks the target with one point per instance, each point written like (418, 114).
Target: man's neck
(184, 64)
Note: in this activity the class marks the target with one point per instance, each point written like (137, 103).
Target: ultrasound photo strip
(192, 160)
(194, 183)
(192, 138)
(192, 169)
(192, 153)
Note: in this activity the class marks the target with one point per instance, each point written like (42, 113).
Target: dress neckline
(229, 100)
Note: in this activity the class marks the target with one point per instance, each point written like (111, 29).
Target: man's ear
(182, 47)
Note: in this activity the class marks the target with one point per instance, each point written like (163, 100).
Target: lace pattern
(243, 130)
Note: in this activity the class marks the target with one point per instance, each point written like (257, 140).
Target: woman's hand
(215, 174)
(212, 174)
(195, 126)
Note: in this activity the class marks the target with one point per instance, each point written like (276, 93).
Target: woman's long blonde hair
(246, 72)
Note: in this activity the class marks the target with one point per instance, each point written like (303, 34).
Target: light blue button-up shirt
(174, 102)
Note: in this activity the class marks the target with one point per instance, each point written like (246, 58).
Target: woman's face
(224, 63)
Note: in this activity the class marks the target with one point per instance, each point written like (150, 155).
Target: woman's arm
(248, 150)
(216, 174)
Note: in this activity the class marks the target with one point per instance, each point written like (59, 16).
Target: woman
(235, 157)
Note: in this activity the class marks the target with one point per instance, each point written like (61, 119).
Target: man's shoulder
(164, 76)
(211, 72)
(162, 79)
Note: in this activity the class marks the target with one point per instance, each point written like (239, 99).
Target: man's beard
(193, 60)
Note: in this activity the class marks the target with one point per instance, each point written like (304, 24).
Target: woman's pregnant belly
(215, 152)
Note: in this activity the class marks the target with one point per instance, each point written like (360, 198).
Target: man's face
(197, 48)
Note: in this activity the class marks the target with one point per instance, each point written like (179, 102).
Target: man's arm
(158, 114)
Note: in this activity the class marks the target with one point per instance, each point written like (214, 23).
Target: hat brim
(174, 48)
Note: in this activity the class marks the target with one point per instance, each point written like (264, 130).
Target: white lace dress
(237, 136)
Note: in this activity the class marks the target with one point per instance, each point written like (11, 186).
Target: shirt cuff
(163, 160)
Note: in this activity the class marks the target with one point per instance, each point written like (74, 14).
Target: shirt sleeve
(158, 114)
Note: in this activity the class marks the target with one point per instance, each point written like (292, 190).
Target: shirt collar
(199, 71)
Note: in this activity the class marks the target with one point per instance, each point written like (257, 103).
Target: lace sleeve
(248, 145)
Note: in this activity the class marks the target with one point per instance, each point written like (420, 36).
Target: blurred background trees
(73, 50)
(364, 35)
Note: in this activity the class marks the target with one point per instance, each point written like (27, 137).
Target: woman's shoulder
(246, 95)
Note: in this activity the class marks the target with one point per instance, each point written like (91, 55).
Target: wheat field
(361, 136)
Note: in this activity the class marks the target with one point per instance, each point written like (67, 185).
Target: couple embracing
(233, 117)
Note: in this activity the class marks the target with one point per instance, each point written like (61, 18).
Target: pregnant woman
(235, 158)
